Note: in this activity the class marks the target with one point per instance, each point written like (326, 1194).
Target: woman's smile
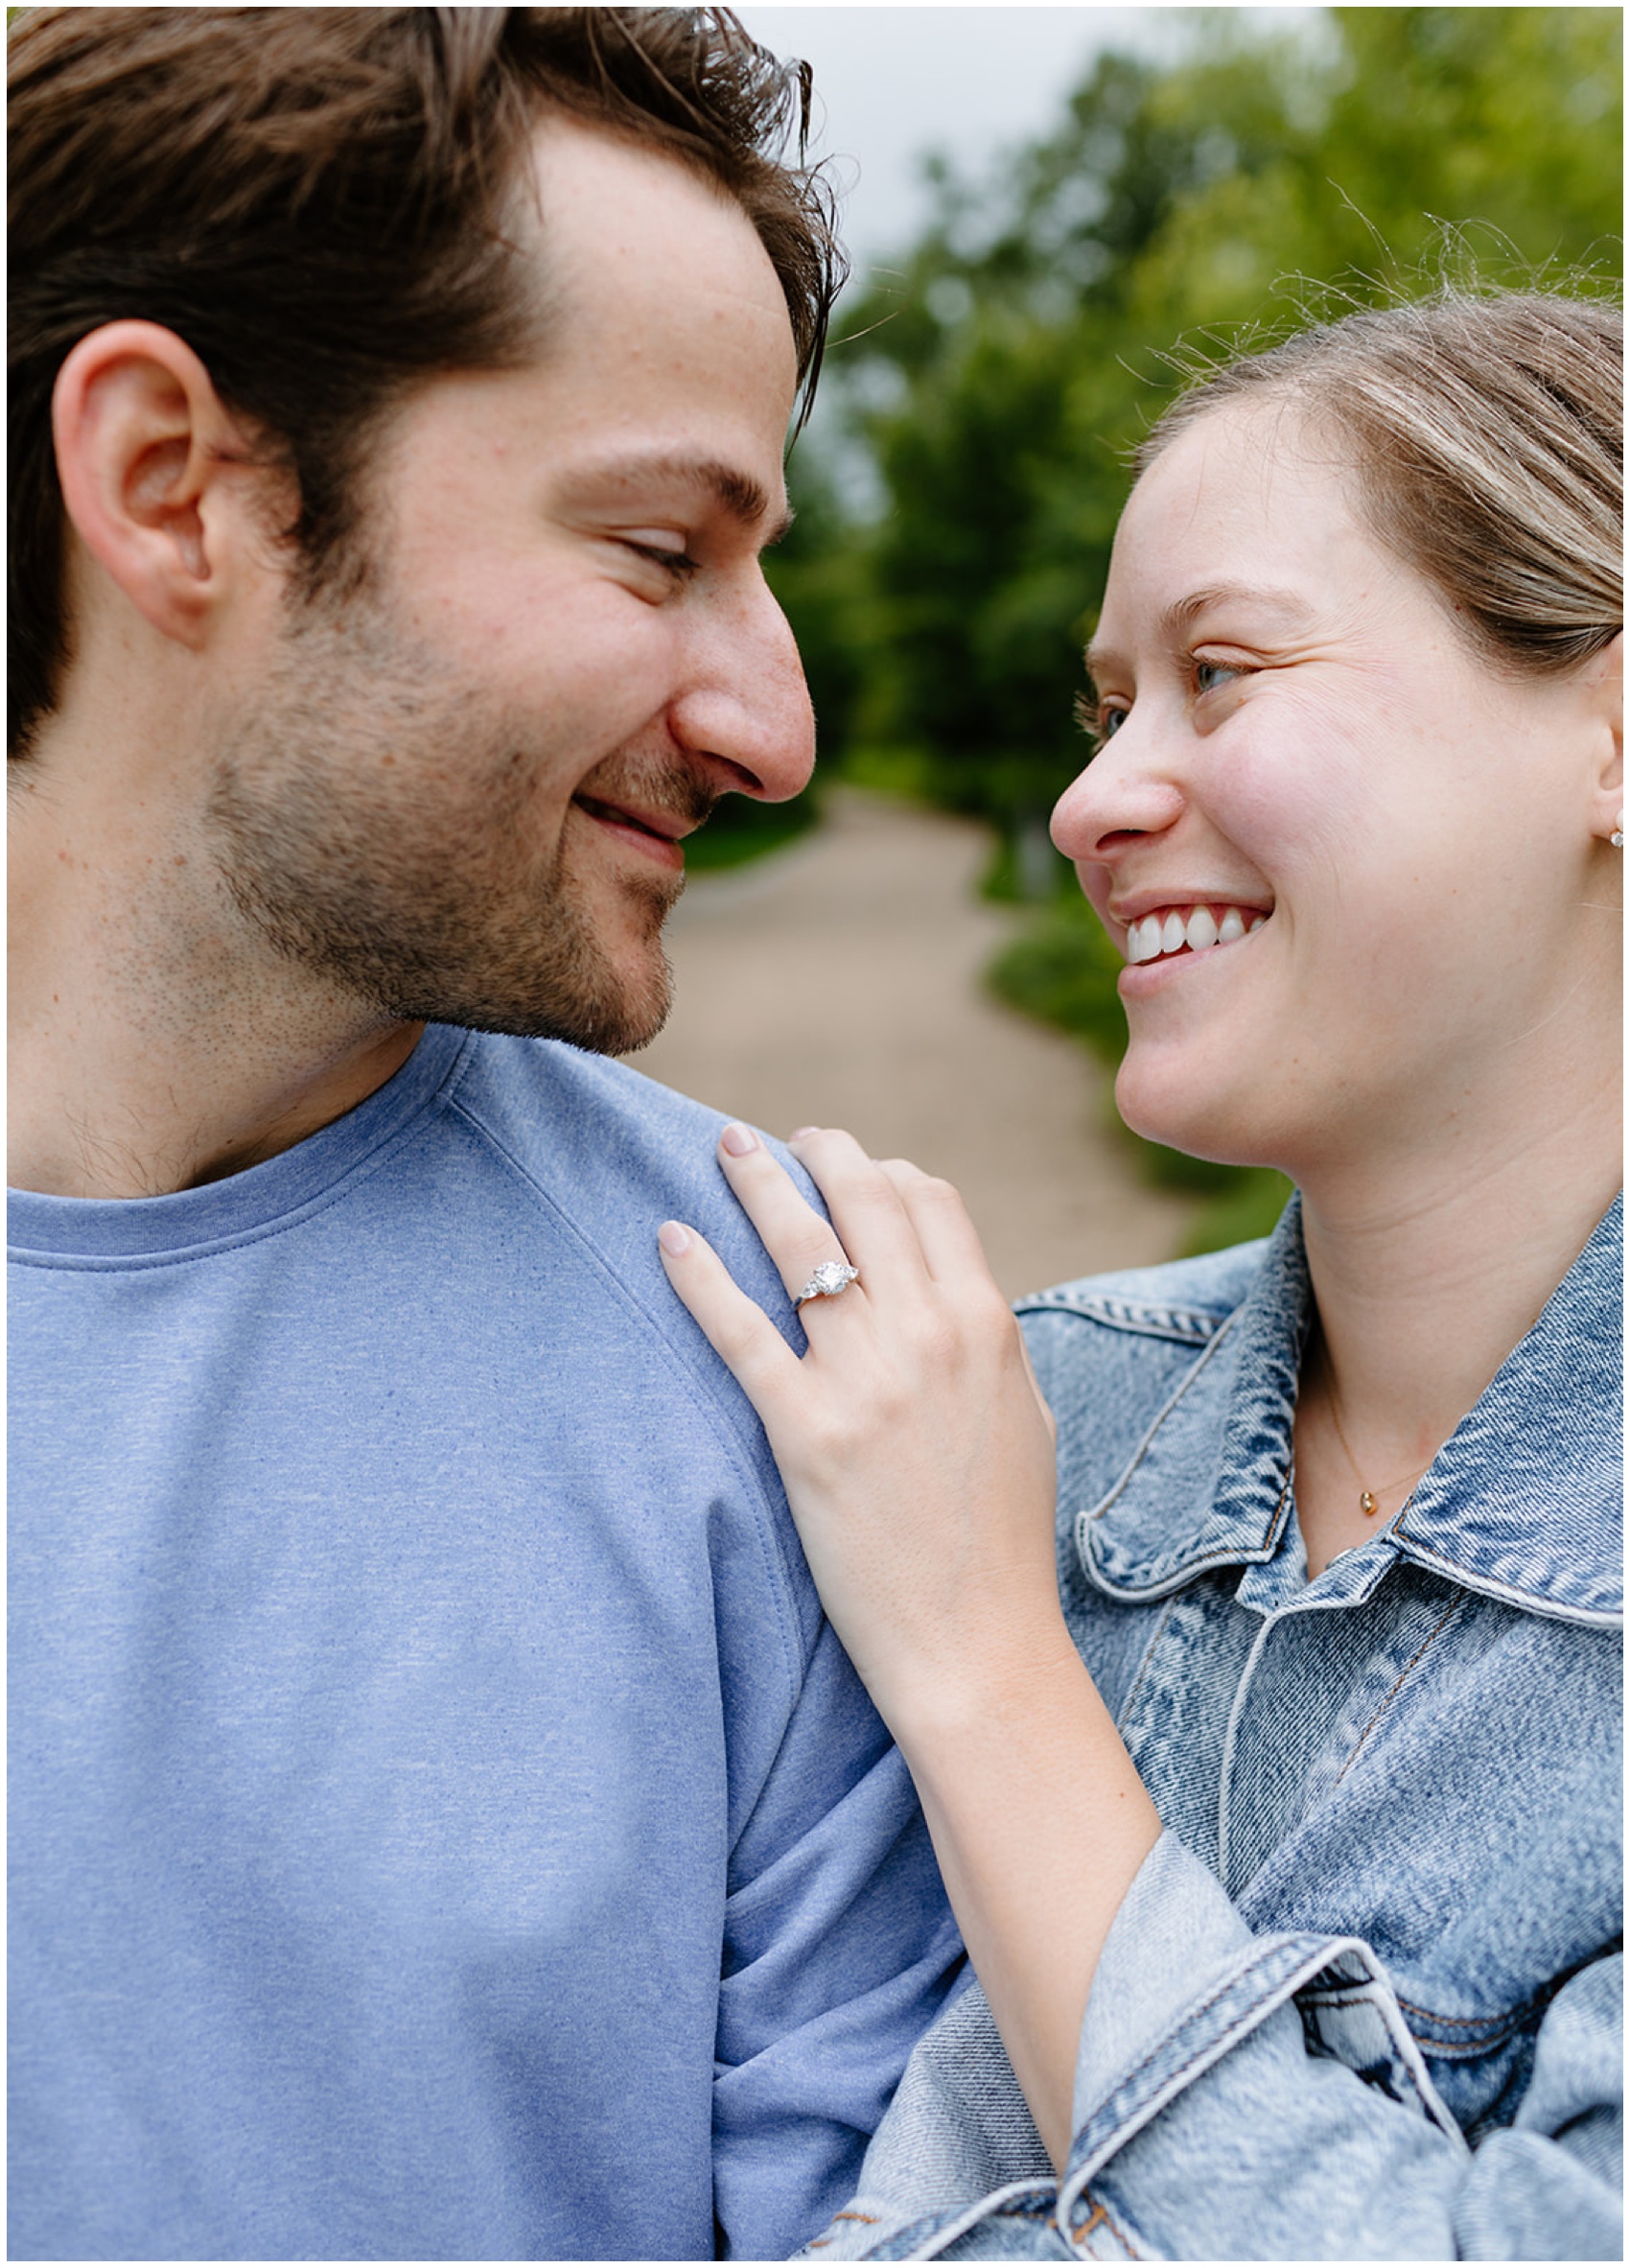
(1185, 928)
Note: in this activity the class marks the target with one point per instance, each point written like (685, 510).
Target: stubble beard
(372, 819)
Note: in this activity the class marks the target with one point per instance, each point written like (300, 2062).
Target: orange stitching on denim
(1509, 2018)
(1279, 1504)
(1120, 2233)
(816, 2242)
(1101, 2217)
(1380, 1711)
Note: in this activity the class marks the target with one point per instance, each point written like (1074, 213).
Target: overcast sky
(893, 82)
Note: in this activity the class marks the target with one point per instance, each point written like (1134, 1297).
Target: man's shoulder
(611, 1151)
(607, 1153)
(564, 1113)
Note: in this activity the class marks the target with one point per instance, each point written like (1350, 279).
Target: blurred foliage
(958, 496)
(998, 378)
(740, 829)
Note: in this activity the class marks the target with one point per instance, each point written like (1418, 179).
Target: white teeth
(1143, 939)
(1156, 934)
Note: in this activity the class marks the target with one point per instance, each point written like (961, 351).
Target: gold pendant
(1366, 1504)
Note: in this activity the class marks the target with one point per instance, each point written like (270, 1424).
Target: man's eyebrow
(736, 493)
(1175, 619)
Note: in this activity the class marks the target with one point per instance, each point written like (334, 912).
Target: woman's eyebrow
(1174, 621)
(1180, 615)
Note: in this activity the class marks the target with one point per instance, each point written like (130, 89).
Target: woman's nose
(1122, 794)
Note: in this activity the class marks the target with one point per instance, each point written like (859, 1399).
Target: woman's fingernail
(739, 1139)
(798, 1133)
(673, 1238)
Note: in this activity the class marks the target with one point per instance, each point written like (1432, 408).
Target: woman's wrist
(1000, 1679)
(1041, 1823)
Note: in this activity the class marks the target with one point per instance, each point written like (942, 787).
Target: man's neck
(154, 1041)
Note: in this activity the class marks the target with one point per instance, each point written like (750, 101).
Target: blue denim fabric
(1364, 1999)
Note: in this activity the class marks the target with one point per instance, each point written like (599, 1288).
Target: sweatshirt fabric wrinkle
(443, 1825)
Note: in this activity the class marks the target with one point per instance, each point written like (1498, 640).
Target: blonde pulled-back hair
(1486, 434)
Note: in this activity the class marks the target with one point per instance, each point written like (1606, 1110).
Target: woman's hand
(915, 1445)
(918, 1456)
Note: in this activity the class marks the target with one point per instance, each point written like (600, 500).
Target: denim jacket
(1363, 2001)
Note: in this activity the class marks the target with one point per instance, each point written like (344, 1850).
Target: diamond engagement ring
(831, 1277)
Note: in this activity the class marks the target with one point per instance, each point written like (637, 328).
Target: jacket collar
(1523, 1501)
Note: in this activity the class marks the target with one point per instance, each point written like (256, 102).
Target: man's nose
(1124, 794)
(746, 703)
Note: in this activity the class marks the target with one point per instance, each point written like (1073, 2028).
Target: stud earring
(1616, 837)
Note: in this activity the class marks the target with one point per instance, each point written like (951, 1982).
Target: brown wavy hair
(315, 200)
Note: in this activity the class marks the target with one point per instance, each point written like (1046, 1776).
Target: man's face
(459, 792)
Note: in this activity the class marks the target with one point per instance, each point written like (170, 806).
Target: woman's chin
(1225, 1131)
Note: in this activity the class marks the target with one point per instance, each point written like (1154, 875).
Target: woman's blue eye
(1110, 722)
(1209, 675)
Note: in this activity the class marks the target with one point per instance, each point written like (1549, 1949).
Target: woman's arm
(1211, 2126)
(1041, 1824)
(918, 1458)
(1240, 2090)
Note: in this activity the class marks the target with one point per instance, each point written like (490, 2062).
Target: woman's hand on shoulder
(914, 1443)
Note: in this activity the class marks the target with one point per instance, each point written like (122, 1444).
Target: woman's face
(1391, 839)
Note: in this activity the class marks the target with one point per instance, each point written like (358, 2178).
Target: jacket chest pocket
(1476, 2068)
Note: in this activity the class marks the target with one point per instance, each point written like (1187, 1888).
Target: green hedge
(740, 829)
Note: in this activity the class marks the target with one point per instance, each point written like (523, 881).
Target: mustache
(666, 784)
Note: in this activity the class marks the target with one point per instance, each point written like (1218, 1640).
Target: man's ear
(152, 472)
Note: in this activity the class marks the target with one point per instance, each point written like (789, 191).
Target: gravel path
(837, 984)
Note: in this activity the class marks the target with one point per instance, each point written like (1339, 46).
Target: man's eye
(673, 561)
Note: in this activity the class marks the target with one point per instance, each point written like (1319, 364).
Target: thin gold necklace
(1368, 1504)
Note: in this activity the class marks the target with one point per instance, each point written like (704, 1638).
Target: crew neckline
(101, 1229)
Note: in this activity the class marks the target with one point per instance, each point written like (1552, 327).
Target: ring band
(831, 1277)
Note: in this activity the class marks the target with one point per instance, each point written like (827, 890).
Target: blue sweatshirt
(443, 1826)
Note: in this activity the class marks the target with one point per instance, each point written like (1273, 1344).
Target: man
(444, 1825)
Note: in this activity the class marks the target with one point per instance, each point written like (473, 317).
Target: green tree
(999, 375)
(1265, 171)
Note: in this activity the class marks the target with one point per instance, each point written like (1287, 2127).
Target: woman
(1281, 1816)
